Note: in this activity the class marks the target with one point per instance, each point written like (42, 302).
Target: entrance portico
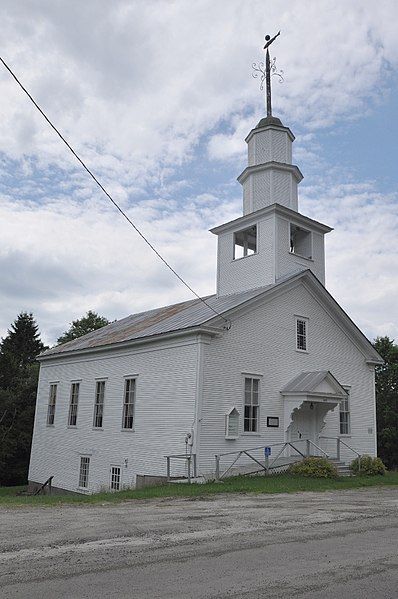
(307, 400)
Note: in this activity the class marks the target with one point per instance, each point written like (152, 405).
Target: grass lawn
(239, 484)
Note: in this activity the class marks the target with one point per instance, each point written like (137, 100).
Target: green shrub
(369, 466)
(314, 468)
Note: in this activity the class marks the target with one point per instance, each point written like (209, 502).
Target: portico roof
(320, 383)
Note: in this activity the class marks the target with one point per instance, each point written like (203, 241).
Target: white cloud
(137, 87)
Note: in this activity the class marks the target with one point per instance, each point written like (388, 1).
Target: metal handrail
(309, 442)
(189, 457)
(266, 466)
(340, 441)
(252, 448)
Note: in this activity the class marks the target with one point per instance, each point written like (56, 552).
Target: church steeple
(270, 176)
(272, 239)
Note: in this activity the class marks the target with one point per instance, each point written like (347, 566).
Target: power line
(137, 230)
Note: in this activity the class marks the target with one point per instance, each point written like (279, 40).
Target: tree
(88, 323)
(387, 401)
(18, 385)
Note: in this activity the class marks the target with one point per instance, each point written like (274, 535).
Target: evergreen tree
(18, 385)
(387, 401)
(88, 323)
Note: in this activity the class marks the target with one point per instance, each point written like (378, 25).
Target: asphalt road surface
(308, 545)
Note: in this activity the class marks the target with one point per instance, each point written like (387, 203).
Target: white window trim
(129, 378)
(346, 435)
(258, 377)
(102, 380)
(84, 455)
(233, 243)
(56, 385)
(120, 478)
(70, 403)
(311, 259)
(306, 320)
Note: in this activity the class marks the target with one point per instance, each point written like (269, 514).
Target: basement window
(300, 241)
(84, 470)
(116, 475)
(245, 242)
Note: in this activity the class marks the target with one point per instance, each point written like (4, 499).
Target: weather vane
(265, 72)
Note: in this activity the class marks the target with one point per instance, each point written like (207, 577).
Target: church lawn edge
(238, 484)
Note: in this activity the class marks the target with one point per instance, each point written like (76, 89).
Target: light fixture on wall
(311, 406)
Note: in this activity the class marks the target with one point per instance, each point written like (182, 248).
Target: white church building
(270, 358)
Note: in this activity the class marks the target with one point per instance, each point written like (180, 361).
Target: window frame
(305, 320)
(245, 247)
(98, 404)
(73, 405)
(52, 404)
(311, 237)
(346, 402)
(84, 473)
(125, 405)
(111, 478)
(257, 378)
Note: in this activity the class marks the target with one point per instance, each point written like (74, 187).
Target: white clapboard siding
(262, 343)
(164, 413)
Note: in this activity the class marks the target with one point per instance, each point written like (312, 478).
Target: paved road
(311, 545)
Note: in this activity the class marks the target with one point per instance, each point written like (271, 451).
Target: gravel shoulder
(339, 543)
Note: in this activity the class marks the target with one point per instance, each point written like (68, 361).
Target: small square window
(273, 421)
(245, 242)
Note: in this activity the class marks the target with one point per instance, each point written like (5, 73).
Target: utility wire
(228, 322)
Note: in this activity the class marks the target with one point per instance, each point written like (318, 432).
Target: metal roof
(307, 382)
(176, 317)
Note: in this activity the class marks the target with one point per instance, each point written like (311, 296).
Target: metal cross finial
(266, 71)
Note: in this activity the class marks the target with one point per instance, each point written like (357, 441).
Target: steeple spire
(266, 71)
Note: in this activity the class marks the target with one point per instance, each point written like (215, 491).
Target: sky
(157, 97)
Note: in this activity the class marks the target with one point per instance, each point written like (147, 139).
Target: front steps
(342, 468)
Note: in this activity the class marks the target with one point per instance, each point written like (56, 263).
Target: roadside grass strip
(283, 483)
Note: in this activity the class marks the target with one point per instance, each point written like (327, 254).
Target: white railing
(339, 443)
(266, 465)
